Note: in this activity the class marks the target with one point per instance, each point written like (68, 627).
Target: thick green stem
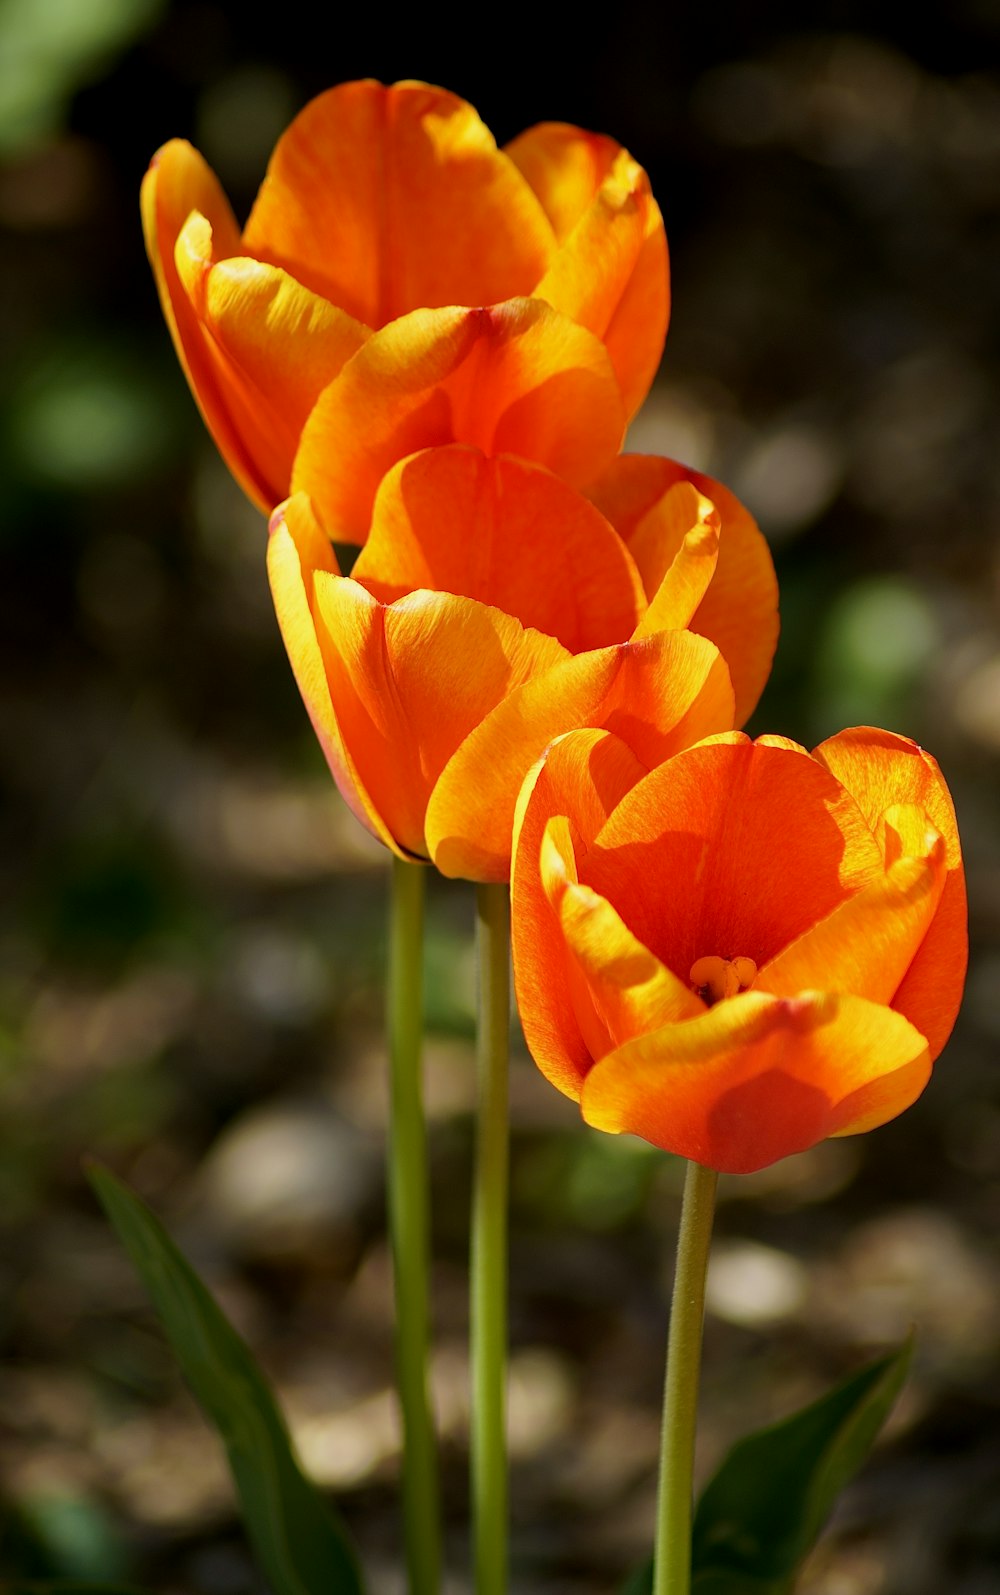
(489, 1246)
(680, 1395)
(409, 1224)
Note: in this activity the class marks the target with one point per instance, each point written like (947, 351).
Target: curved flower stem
(489, 1245)
(680, 1395)
(409, 1225)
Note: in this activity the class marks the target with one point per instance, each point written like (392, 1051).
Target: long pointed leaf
(766, 1506)
(301, 1546)
(762, 1513)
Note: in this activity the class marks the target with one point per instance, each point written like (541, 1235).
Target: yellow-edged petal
(506, 533)
(515, 378)
(881, 770)
(409, 682)
(388, 199)
(178, 183)
(624, 987)
(582, 778)
(694, 531)
(297, 552)
(868, 942)
(657, 695)
(759, 1077)
(739, 611)
(274, 347)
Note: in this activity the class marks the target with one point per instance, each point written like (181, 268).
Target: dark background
(191, 926)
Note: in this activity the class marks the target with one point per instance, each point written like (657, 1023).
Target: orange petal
(583, 776)
(297, 553)
(409, 682)
(506, 533)
(880, 770)
(611, 272)
(694, 527)
(760, 1077)
(867, 944)
(565, 167)
(273, 345)
(387, 199)
(627, 990)
(514, 379)
(731, 849)
(739, 611)
(178, 183)
(657, 695)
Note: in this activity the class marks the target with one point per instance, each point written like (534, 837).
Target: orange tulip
(384, 202)
(745, 950)
(491, 609)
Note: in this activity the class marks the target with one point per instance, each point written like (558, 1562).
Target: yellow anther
(714, 978)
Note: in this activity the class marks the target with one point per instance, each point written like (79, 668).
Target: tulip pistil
(714, 978)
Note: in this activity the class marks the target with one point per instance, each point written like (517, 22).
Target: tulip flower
(385, 213)
(491, 609)
(745, 950)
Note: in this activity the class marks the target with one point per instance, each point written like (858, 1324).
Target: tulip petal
(658, 695)
(274, 346)
(748, 844)
(409, 681)
(867, 944)
(297, 553)
(625, 987)
(739, 611)
(387, 199)
(506, 533)
(881, 770)
(514, 379)
(694, 528)
(583, 777)
(178, 183)
(760, 1077)
(610, 272)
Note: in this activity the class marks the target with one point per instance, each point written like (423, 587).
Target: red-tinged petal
(177, 184)
(731, 849)
(506, 533)
(694, 529)
(760, 1077)
(582, 777)
(409, 681)
(880, 770)
(297, 553)
(611, 274)
(657, 695)
(739, 611)
(514, 379)
(273, 345)
(868, 943)
(387, 199)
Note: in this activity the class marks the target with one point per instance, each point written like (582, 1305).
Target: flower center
(714, 978)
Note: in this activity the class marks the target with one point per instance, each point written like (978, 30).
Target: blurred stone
(754, 1285)
(287, 1177)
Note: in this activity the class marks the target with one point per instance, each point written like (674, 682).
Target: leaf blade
(300, 1544)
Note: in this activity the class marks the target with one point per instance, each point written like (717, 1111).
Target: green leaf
(762, 1513)
(764, 1510)
(301, 1546)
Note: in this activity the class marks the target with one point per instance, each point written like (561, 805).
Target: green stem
(680, 1395)
(409, 1225)
(489, 1246)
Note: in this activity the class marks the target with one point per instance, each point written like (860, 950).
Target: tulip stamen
(714, 978)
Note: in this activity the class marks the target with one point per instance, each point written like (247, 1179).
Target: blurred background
(191, 929)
